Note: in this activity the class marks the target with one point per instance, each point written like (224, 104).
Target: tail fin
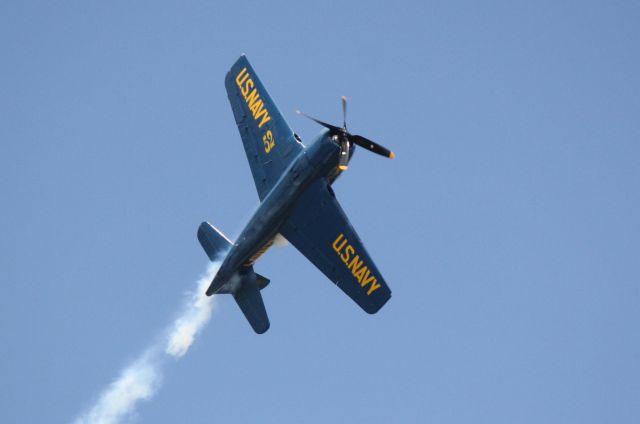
(247, 292)
(250, 302)
(213, 241)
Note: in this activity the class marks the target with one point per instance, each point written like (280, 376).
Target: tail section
(244, 285)
(250, 302)
(262, 281)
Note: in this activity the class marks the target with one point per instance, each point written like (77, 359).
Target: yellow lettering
(240, 81)
(355, 264)
(260, 113)
(266, 118)
(374, 286)
(335, 243)
(360, 274)
(247, 87)
(347, 254)
(363, 281)
(358, 268)
(368, 279)
(256, 108)
(252, 98)
(268, 141)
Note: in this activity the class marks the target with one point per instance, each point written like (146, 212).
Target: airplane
(297, 202)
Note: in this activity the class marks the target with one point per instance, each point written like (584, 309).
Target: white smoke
(194, 317)
(141, 379)
(138, 381)
(280, 241)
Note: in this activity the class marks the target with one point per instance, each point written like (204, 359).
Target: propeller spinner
(345, 139)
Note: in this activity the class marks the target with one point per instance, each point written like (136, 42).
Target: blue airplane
(297, 202)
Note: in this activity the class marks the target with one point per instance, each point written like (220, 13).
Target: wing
(268, 141)
(320, 230)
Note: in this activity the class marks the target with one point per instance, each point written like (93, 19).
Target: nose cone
(322, 149)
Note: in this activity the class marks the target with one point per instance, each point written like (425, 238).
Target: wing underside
(269, 142)
(320, 230)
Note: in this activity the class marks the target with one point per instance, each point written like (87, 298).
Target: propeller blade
(331, 128)
(371, 145)
(343, 162)
(345, 138)
(344, 112)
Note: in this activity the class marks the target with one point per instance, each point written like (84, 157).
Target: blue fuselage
(319, 160)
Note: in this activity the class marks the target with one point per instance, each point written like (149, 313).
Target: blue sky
(507, 226)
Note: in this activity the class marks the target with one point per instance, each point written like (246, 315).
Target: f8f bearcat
(297, 202)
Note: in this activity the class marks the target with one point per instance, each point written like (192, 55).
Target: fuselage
(319, 160)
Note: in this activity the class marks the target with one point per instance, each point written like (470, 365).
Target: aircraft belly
(265, 223)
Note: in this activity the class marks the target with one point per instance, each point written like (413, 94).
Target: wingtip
(263, 329)
(392, 155)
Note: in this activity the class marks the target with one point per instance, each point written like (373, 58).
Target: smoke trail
(141, 379)
(194, 317)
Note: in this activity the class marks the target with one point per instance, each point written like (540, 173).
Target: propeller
(346, 139)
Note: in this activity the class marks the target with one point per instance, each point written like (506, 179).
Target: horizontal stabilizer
(262, 281)
(213, 241)
(250, 302)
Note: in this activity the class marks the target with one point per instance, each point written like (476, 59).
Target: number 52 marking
(269, 141)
